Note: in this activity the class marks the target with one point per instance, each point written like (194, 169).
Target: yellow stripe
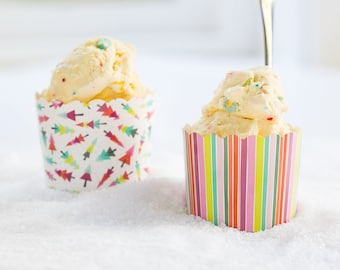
(208, 176)
(258, 182)
(296, 171)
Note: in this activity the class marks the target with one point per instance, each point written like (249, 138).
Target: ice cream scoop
(241, 158)
(249, 102)
(95, 119)
(101, 68)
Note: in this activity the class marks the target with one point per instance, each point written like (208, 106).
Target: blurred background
(305, 30)
(184, 49)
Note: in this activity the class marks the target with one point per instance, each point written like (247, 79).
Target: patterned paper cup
(95, 145)
(245, 183)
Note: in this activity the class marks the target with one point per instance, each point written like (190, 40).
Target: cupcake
(242, 159)
(95, 119)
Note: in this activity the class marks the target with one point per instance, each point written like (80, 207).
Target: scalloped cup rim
(295, 131)
(97, 99)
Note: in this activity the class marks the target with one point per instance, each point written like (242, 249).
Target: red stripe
(230, 182)
(191, 172)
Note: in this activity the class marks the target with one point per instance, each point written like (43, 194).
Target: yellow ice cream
(101, 68)
(249, 102)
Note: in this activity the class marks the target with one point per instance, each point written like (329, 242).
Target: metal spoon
(267, 20)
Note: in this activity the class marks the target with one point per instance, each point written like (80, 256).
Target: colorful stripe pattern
(245, 183)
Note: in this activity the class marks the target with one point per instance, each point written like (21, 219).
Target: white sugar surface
(143, 225)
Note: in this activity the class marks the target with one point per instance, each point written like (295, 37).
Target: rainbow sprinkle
(103, 43)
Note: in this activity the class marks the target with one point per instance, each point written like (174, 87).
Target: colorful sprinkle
(270, 118)
(230, 106)
(103, 43)
(63, 79)
(248, 82)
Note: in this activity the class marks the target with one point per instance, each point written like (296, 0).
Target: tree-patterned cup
(94, 145)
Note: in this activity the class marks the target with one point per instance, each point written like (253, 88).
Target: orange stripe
(193, 203)
(235, 180)
(283, 175)
(230, 180)
(280, 181)
(279, 185)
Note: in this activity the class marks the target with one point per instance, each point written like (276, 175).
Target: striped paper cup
(245, 183)
(94, 145)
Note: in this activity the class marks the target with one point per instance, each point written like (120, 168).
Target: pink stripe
(196, 175)
(220, 178)
(237, 166)
(243, 184)
(203, 201)
(250, 183)
(290, 176)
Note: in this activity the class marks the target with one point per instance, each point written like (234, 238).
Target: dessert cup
(248, 183)
(95, 145)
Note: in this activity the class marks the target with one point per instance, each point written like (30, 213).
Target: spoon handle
(267, 20)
